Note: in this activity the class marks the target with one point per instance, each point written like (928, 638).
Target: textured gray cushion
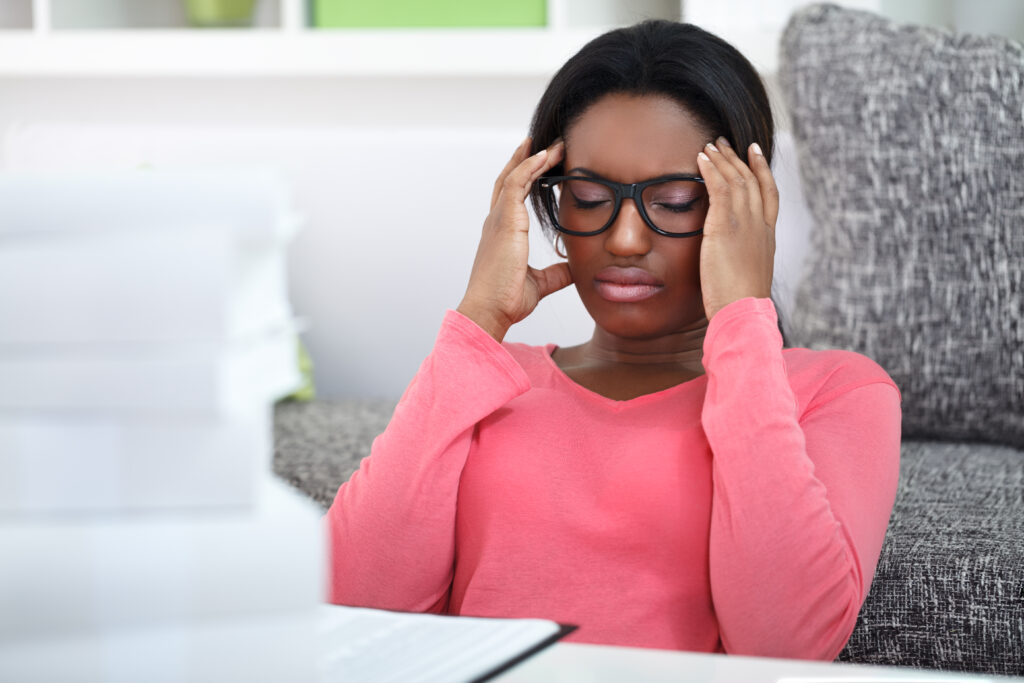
(949, 589)
(318, 445)
(911, 148)
(948, 592)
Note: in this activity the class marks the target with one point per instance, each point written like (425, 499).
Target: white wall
(375, 267)
(1000, 17)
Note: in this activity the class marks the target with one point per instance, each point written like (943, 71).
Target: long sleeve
(391, 527)
(801, 495)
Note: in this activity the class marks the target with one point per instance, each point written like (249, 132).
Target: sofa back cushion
(911, 148)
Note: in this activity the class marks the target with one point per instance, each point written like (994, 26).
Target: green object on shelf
(307, 391)
(428, 13)
(220, 13)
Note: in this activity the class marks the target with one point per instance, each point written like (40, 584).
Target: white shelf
(276, 52)
(124, 38)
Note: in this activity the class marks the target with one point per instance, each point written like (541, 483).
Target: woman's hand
(737, 250)
(503, 289)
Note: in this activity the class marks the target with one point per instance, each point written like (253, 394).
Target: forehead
(634, 137)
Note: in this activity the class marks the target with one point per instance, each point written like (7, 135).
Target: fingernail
(712, 147)
(704, 156)
(757, 149)
(541, 153)
(723, 142)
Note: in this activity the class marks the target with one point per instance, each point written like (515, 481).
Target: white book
(93, 573)
(171, 379)
(88, 464)
(375, 646)
(272, 648)
(190, 284)
(253, 202)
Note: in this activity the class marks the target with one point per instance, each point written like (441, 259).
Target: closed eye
(675, 207)
(581, 203)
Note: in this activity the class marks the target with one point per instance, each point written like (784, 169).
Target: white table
(576, 663)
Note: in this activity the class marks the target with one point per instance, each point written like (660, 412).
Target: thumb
(553, 278)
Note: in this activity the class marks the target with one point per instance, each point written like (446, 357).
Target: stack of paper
(145, 332)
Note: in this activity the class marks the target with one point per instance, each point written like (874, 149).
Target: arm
(391, 528)
(800, 502)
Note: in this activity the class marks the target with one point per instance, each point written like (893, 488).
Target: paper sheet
(379, 646)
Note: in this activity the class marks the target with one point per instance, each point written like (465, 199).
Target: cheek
(685, 261)
(695, 256)
(579, 251)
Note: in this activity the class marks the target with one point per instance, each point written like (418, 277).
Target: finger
(556, 152)
(517, 158)
(714, 180)
(517, 183)
(736, 189)
(553, 278)
(765, 178)
(508, 210)
(750, 181)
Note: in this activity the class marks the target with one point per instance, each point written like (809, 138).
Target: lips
(626, 285)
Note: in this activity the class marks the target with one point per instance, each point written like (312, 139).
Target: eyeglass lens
(584, 205)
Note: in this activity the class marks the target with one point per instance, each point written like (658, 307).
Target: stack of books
(145, 333)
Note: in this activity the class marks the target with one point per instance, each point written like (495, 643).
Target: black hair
(707, 76)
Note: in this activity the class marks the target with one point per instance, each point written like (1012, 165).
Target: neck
(683, 347)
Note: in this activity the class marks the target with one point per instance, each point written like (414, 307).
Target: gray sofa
(911, 148)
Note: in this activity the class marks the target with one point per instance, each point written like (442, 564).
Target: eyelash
(582, 204)
(679, 208)
(674, 208)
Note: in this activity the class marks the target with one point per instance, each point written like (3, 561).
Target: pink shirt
(742, 511)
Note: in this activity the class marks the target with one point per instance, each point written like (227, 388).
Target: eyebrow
(592, 174)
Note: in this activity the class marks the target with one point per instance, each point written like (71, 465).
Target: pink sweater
(740, 512)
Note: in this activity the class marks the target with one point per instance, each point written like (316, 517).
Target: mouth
(626, 285)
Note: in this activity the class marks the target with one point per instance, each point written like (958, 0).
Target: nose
(629, 234)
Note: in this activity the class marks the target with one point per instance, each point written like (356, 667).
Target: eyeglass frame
(620, 191)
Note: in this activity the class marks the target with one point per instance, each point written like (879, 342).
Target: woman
(678, 481)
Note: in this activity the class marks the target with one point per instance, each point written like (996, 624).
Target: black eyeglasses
(674, 206)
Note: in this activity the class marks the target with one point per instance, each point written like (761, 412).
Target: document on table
(359, 644)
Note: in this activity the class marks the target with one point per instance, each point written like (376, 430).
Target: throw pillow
(911, 148)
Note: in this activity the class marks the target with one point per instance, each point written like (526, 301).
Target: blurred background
(390, 121)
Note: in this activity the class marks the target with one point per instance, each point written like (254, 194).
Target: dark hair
(700, 71)
(703, 73)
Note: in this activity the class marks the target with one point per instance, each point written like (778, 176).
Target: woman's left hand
(737, 252)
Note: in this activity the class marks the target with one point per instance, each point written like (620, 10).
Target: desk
(577, 663)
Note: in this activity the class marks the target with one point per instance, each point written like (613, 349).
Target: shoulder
(819, 376)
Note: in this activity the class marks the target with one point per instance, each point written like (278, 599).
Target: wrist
(753, 313)
(713, 307)
(484, 319)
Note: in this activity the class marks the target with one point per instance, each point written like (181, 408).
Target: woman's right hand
(503, 288)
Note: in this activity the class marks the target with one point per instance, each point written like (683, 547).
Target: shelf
(127, 38)
(275, 52)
